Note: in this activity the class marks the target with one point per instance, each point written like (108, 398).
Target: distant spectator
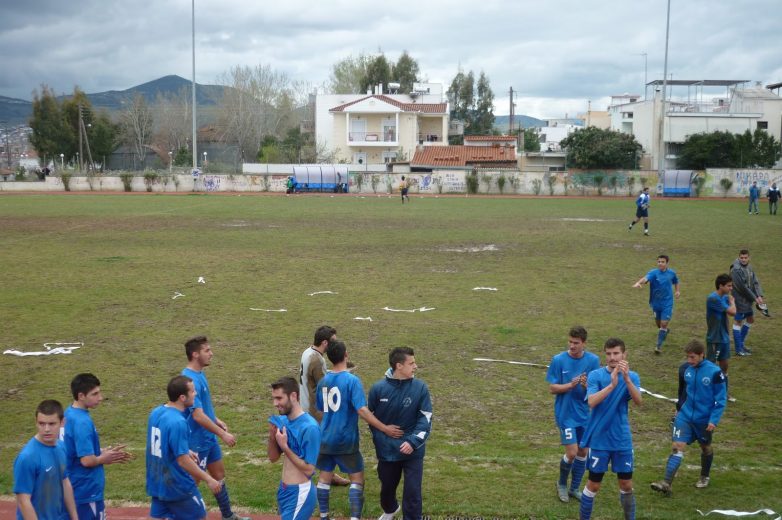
(754, 195)
(773, 199)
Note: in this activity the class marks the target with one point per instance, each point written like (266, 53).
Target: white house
(739, 109)
(376, 128)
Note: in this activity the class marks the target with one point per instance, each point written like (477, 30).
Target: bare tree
(173, 120)
(137, 123)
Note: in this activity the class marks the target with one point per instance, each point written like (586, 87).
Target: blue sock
(564, 470)
(744, 332)
(224, 501)
(628, 504)
(738, 340)
(674, 461)
(587, 501)
(579, 466)
(661, 335)
(356, 500)
(323, 491)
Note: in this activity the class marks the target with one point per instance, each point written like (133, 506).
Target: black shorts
(641, 212)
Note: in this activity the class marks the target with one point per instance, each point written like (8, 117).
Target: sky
(558, 55)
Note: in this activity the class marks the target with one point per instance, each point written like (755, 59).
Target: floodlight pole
(195, 146)
(661, 159)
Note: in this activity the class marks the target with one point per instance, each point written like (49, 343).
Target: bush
(537, 184)
(630, 185)
(697, 184)
(127, 181)
(486, 179)
(598, 180)
(20, 174)
(374, 181)
(66, 181)
(613, 182)
(501, 183)
(551, 181)
(149, 179)
(472, 182)
(726, 184)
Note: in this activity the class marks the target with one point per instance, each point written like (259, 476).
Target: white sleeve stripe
(428, 415)
(421, 435)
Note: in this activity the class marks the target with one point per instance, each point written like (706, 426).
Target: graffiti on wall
(211, 182)
(744, 179)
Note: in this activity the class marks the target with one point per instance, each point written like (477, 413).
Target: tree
(103, 137)
(483, 118)
(722, 149)
(348, 74)
(173, 120)
(137, 124)
(593, 147)
(51, 135)
(405, 72)
(531, 139)
(378, 71)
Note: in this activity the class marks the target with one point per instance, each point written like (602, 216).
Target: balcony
(425, 139)
(386, 138)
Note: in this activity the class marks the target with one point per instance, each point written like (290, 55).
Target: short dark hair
(49, 407)
(667, 258)
(744, 252)
(194, 345)
(721, 280)
(288, 386)
(177, 387)
(694, 347)
(578, 331)
(324, 333)
(83, 384)
(399, 355)
(336, 352)
(614, 342)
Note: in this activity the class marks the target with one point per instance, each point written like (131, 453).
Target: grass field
(102, 269)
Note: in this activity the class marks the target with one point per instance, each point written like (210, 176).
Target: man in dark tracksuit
(400, 399)
(746, 292)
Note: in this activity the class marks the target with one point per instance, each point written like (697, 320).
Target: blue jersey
(303, 435)
(704, 394)
(167, 439)
(339, 396)
(200, 437)
(570, 408)
(717, 318)
(661, 287)
(81, 440)
(642, 200)
(39, 470)
(608, 428)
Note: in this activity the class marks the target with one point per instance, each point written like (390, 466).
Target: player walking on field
(747, 292)
(663, 287)
(642, 210)
(608, 434)
(205, 427)
(567, 378)
(702, 399)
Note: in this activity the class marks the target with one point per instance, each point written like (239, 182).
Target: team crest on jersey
(406, 402)
(706, 381)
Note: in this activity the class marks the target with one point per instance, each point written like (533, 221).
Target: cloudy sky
(556, 54)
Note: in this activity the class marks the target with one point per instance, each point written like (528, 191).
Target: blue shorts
(717, 351)
(91, 510)
(688, 432)
(191, 508)
(571, 435)
(209, 455)
(296, 501)
(741, 316)
(640, 212)
(621, 461)
(663, 313)
(348, 462)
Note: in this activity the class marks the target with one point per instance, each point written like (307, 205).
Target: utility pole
(7, 145)
(81, 125)
(512, 115)
(195, 136)
(661, 159)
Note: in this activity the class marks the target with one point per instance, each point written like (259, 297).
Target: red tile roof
(508, 138)
(426, 108)
(464, 155)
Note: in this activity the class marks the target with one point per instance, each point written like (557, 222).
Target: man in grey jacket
(747, 292)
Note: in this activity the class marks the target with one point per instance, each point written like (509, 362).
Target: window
(763, 125)
(389, 157)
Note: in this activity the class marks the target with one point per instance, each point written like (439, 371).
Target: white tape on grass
(643, 390)
(359, 318)
(322, 292)
(731, 512)
(269, 310)
(420, 309)
(484, 288)
(201, 279)
(177, 295)
(61, 348)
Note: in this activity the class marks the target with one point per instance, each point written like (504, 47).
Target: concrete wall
(573, 182)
